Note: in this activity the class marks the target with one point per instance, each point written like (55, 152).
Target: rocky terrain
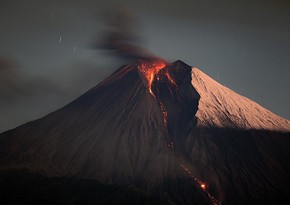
(160, 133)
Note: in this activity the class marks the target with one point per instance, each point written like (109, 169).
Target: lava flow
(149, 70)
(202, 185)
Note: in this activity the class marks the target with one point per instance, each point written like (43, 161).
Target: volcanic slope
(172, 133)
(222, 107)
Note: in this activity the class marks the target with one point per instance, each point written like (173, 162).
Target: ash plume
(122, 38)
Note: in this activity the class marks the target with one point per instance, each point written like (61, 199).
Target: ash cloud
(122, 37)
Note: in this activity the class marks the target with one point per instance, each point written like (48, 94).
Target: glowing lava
(149, 70)
(202, 185)
(164, 112)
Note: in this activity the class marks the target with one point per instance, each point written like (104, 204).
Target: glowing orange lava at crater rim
(149, 70)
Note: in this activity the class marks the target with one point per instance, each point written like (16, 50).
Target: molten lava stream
(149, 70)
(172, 82)
(202, 185)
(165, 114)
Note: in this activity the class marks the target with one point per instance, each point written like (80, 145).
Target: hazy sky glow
(46, 59)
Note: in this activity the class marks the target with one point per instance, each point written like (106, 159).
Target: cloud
(15, 85)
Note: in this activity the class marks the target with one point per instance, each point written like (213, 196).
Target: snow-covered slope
(221, 107)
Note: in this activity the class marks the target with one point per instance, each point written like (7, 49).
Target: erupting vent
(149, 70)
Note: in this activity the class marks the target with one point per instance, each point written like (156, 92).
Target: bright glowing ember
(202, 185)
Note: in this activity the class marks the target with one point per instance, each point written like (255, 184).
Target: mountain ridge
(150, 125)
(246, 107)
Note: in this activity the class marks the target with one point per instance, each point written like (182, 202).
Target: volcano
(151, 133)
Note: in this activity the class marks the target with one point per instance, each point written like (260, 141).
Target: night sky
(47, 55)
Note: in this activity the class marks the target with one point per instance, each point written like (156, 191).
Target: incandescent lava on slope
(149, 70)
(157, 70)
(162, 85)
(171, 85)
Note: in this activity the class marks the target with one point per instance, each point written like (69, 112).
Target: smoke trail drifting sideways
(122, 38)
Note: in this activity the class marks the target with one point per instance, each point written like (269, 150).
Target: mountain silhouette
(158, 133)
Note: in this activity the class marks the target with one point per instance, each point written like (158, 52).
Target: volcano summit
(151, 133)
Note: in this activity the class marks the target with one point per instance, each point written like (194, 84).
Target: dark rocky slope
(189, 141)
